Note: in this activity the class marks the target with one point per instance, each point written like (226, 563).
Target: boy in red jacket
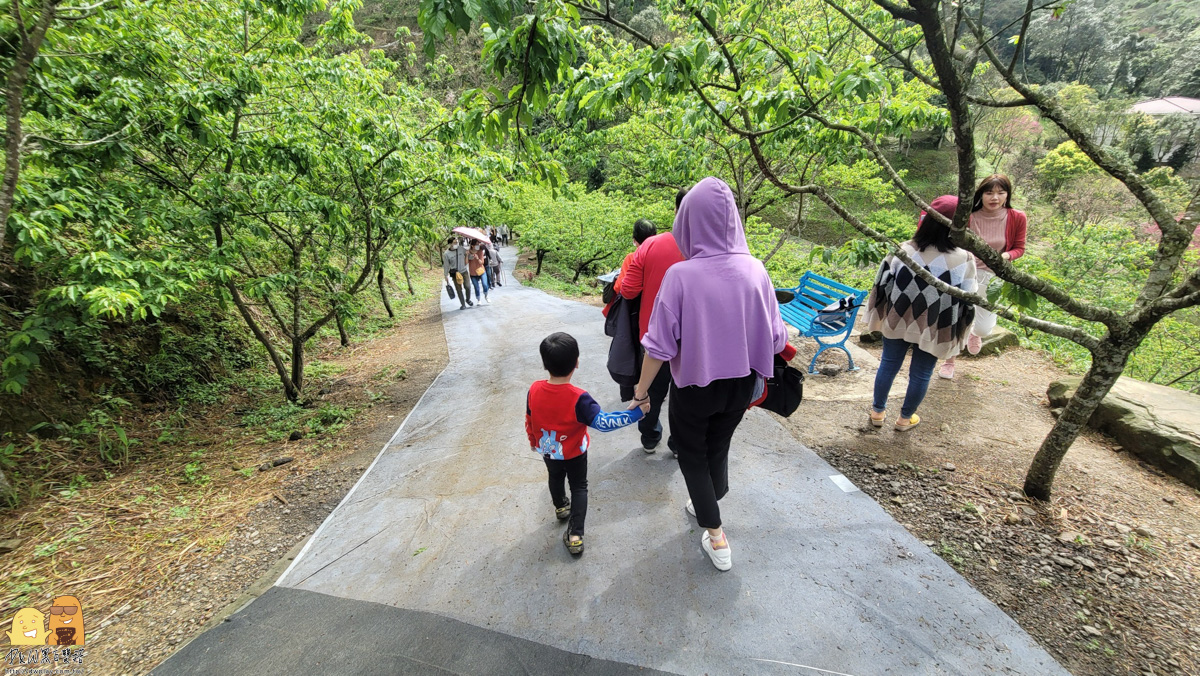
(557, 415)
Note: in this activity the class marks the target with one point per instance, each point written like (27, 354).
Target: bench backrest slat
(825, 281)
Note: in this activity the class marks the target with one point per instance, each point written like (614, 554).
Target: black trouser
(463, 287)
(575, 472)
(649, 425)
(703, 420)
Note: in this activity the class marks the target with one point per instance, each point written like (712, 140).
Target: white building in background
(1173, 108)
(1168, 105)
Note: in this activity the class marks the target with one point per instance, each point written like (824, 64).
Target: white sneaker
(486, 301)
(721, 558)
(691, 509)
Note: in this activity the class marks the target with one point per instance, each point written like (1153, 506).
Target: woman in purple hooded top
(717, 322)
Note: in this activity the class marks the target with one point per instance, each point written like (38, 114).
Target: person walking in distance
(454, 266)
(1003, 228)
(477, 264)
(644, 276)
(717, 322)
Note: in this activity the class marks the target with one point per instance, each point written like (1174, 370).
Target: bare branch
(1021, 36)
(904, 13)
(80, 146)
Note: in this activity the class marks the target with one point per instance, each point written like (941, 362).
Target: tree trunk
(8, 496)
(345, 337)
(293, 393)
(289, 389)
(407, 279)
(541, 253)
(1107, 365)
(14, 88)
(383, 294)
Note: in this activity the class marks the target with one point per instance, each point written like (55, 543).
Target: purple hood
(715, 316)
(708, 223)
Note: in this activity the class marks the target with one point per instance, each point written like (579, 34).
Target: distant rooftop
(1169, 105)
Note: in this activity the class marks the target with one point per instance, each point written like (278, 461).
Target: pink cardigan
(1014, 234)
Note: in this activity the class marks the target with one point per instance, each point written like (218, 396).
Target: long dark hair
(931, 233)
(994, 181)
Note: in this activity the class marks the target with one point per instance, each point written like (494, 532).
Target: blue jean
(475, 281)
(919, 371)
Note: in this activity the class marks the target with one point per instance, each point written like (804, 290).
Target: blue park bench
(801, 304)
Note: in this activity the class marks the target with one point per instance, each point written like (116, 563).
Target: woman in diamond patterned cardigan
(911, 313)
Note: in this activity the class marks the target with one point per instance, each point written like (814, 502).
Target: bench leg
(821, 347)
(848, 356)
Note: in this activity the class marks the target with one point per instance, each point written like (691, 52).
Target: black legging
(703, 420)
(574, 471)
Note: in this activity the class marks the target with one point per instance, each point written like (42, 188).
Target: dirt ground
(1104, 576)
(250, 522)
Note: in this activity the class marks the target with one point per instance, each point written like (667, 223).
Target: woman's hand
(641, 399)
(641, 393)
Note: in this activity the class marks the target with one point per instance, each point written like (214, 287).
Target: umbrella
(473, 233)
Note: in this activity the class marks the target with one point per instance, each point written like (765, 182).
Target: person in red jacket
(557, 418)
(644, 276)
(1003, 228)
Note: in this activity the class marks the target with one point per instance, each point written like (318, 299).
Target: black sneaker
(671, 445)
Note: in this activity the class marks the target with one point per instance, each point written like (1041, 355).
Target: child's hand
(645, 408)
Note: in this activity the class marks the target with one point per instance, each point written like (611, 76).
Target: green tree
(1065, 163)
(746, 66)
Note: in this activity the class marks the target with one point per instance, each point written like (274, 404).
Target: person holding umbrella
(477, 264)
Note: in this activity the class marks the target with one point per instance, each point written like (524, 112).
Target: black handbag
(449, 290)
(785, 389)
(609, 294)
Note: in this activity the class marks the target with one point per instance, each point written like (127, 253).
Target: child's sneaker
(563, 513)
(574, 546)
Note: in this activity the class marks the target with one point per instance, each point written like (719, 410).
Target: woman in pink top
(1003, 228)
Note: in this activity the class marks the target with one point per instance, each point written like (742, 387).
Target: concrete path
(446, 556)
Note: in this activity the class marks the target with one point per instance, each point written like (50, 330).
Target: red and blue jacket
(557, 418)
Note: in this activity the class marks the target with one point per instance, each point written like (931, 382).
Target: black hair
(560, 354)
(994, 181)
(932, 233)
(643, 230)
(451, 240)
(679, 195)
